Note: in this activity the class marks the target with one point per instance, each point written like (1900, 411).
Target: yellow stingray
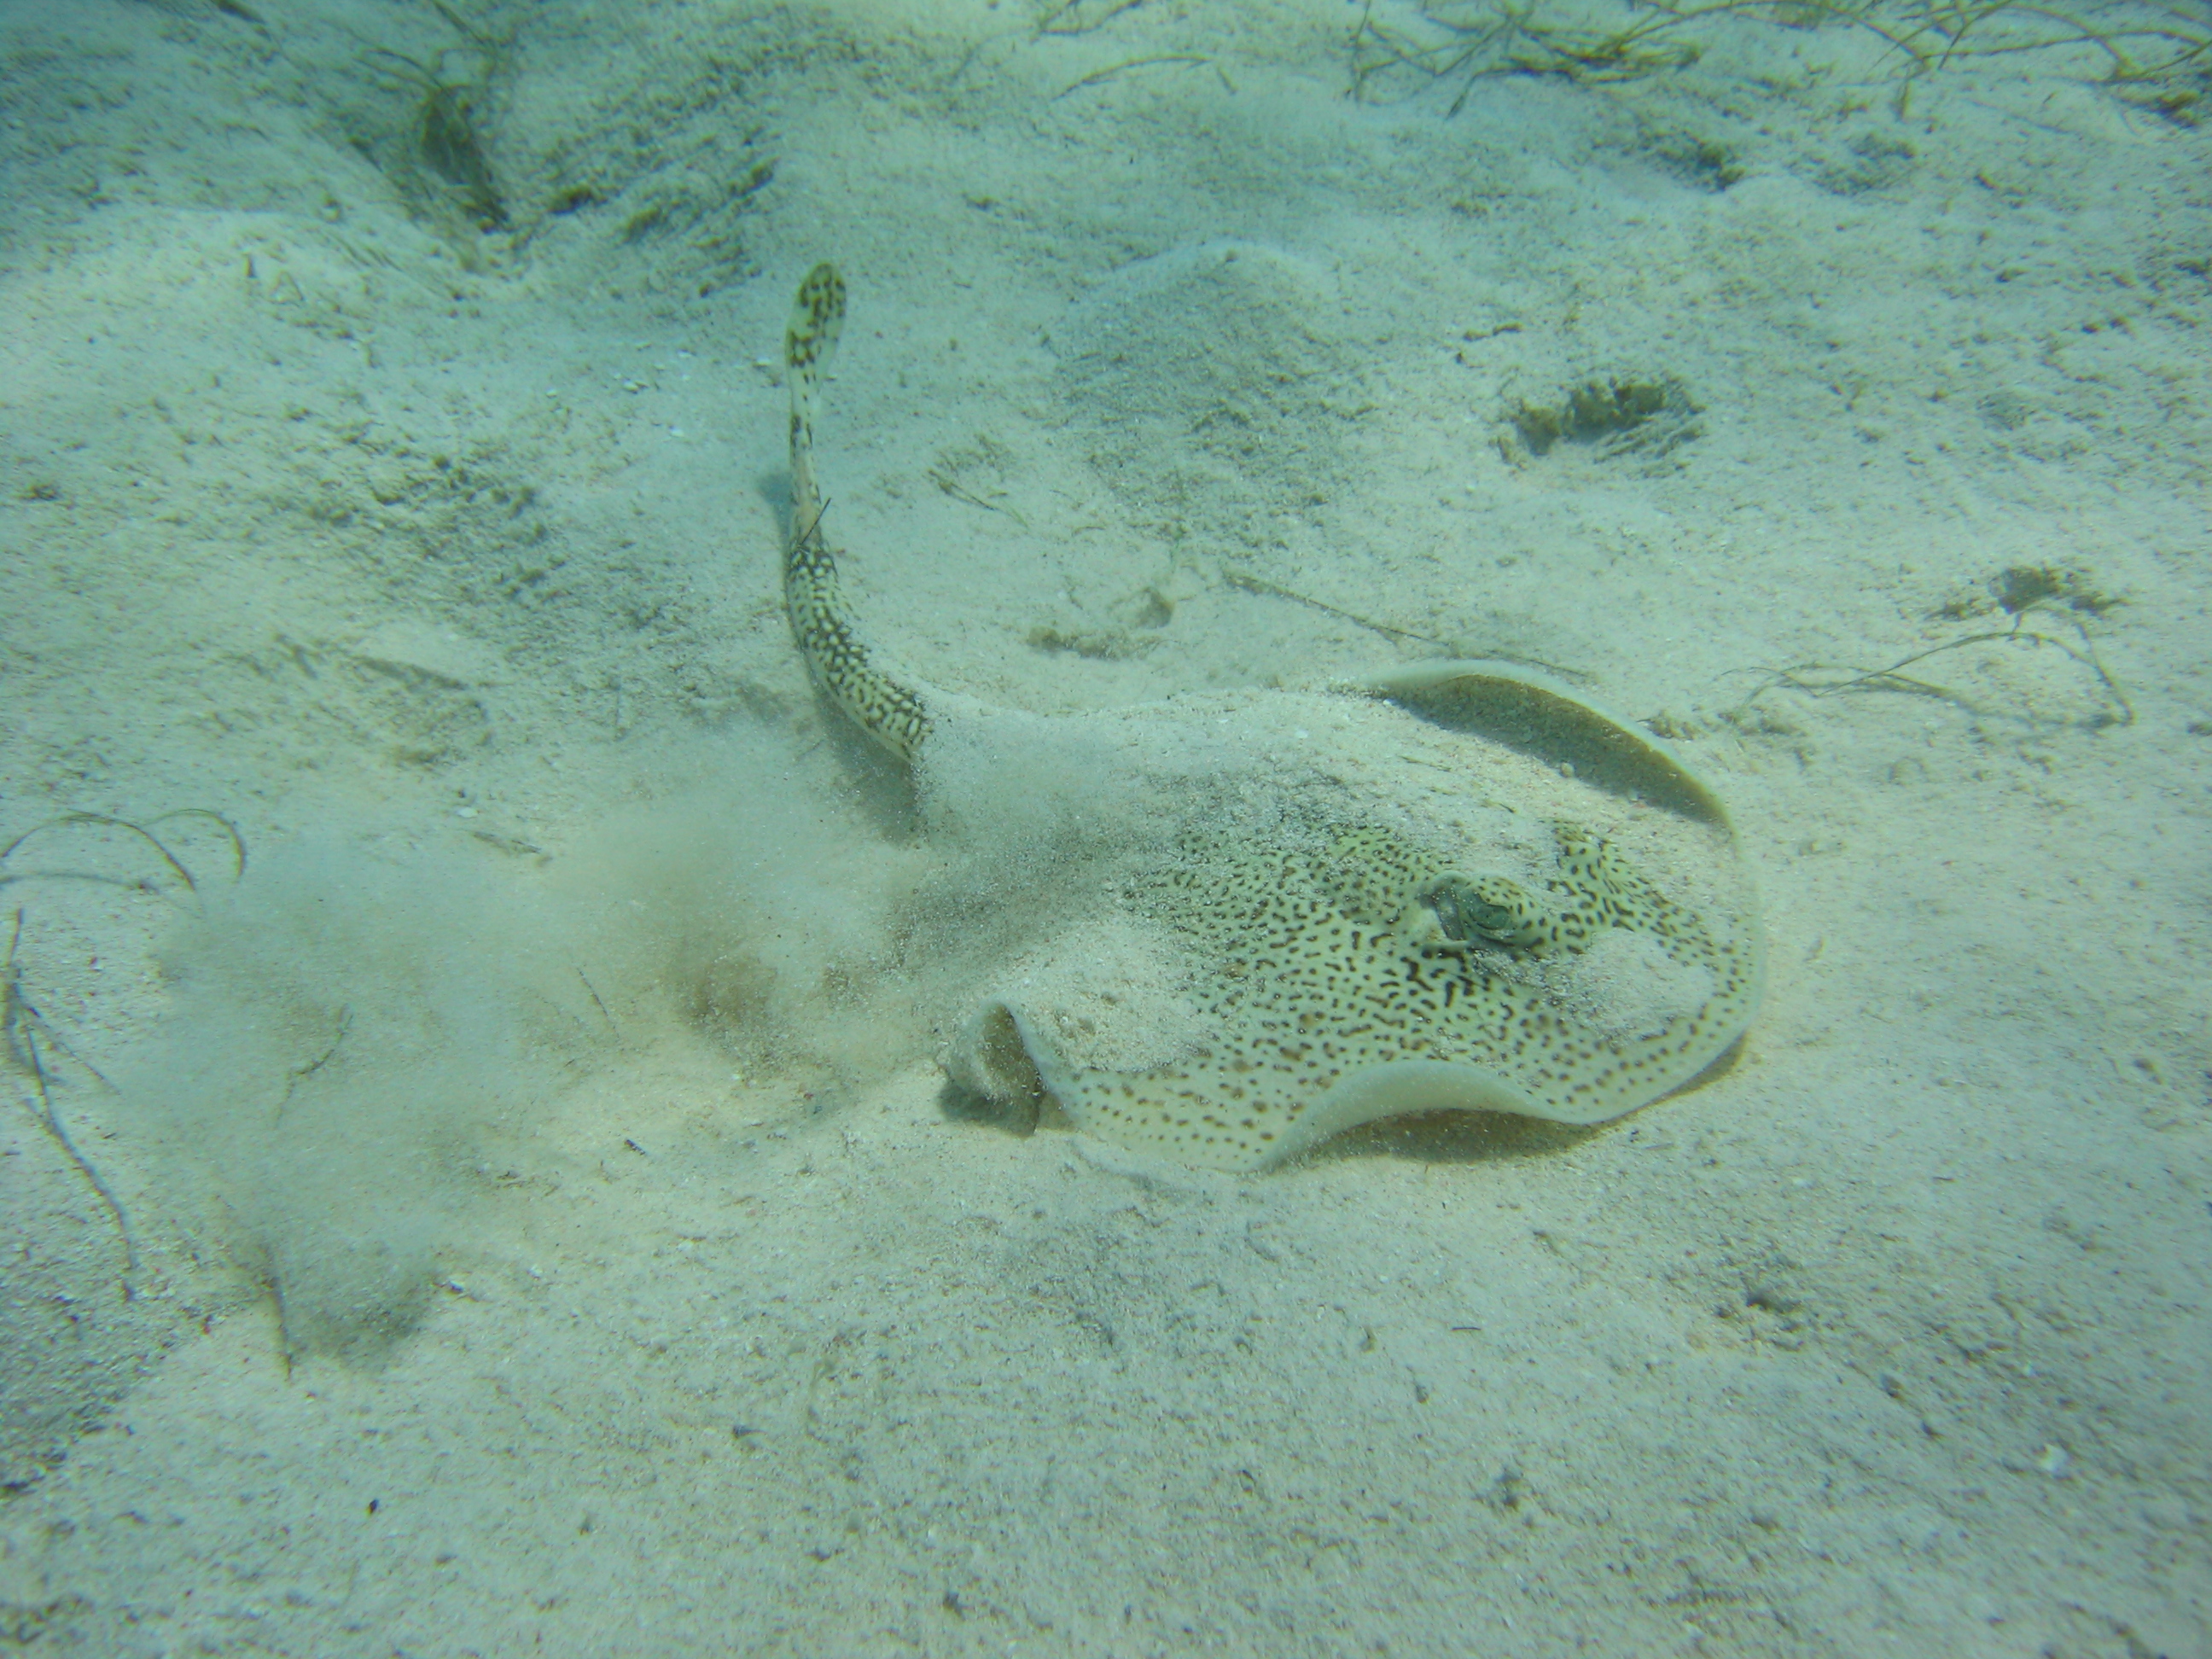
(1454, 886)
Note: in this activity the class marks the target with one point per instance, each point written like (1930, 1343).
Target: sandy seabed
(547, 1228)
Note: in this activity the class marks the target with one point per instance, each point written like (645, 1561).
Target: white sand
(555, 1243)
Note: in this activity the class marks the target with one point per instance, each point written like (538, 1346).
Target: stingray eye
(1461, 912)
(1493, 921)
(1492, 910)
(1498, 923)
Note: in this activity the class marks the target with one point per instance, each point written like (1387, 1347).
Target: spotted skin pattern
(882, 704)
(1339, 986)
(1327, 971)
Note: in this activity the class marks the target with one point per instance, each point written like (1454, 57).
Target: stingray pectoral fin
(1403, 1088)
(992, 1059)
(1180, 1111)
(1198, 1112)
(1541, 716)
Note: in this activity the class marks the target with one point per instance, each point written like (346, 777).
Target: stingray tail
(881, 704)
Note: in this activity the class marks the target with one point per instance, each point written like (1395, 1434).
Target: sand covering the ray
(1232, 961)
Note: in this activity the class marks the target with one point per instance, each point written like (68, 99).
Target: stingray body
(1453, 886)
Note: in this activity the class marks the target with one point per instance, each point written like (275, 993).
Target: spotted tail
(888, 711)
